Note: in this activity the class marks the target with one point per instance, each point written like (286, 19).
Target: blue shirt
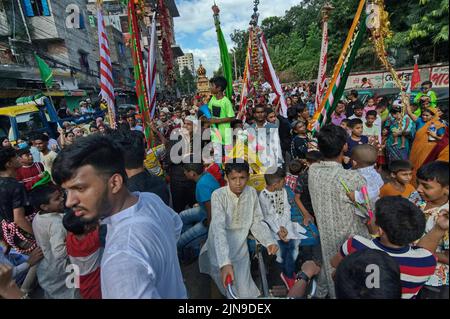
(206, 185)
(351, 144)
(420, 123)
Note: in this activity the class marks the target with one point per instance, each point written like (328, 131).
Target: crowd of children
(370, 188)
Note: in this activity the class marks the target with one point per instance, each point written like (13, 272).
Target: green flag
(339, 87)
(225, 58)
(46, 72)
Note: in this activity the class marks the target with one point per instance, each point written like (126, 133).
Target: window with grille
(36, 8)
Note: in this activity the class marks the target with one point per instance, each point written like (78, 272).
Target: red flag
(415, 76)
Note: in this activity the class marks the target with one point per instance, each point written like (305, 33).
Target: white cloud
(209, 56)
(196, 22)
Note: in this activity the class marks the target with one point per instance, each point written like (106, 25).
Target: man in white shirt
(140, 258)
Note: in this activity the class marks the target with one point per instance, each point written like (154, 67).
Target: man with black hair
(196, 220)
(235, 210)
(140, 257)
(178, 148)
(353, 97)
(139, 179)
(47, 156)
(51, 236)
(335, 214)
(223, 114)
(131, 119)
(267, 137)
(401, 223)
(352, 275)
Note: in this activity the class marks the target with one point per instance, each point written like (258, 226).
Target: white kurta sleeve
(286, 218)
(217, 230)
(142, 285)
(58, 241)
(266, 212)
(259, 229)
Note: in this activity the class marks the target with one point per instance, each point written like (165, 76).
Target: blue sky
(195, 32)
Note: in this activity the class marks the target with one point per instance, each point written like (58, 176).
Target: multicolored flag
(106, 77)
(321, 78)
(341, 71)
(246, 85)
(139, 72)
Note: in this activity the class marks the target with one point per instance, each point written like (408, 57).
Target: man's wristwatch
(301, 275)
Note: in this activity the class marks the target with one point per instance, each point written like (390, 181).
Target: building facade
(64, 34)
(186, 61)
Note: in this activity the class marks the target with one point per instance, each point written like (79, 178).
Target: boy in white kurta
(277, 213)
(235, 211)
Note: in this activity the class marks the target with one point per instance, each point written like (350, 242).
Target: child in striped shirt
(401, 223)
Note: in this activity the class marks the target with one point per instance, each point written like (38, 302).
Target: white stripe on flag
(150, 77)
(274, 79)
(106, 77)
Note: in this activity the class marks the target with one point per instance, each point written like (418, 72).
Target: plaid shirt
(311, 108)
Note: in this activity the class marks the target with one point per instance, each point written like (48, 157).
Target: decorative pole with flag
(271, 77)
(224, 55)
(139, 72)
(106, 77)
(320, 116)
(321, 78)
(246, 84)
(151, 68)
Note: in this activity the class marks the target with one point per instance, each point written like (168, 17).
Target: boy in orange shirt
(400, 184)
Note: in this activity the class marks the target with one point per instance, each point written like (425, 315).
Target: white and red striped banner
(150, 77)
(321, 78)
(271, 77)
(106, 78)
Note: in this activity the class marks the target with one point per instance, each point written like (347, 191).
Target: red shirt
(29, 175)
(86, 253)
(215, 171)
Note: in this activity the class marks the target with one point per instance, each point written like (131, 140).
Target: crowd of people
(115, 213)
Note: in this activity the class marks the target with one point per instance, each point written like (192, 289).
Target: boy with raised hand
(433, 187)
(401, 223)
(235, 211)
(223, 114)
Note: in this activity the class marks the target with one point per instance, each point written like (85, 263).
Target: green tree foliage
(419, 27)
(186, 81)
